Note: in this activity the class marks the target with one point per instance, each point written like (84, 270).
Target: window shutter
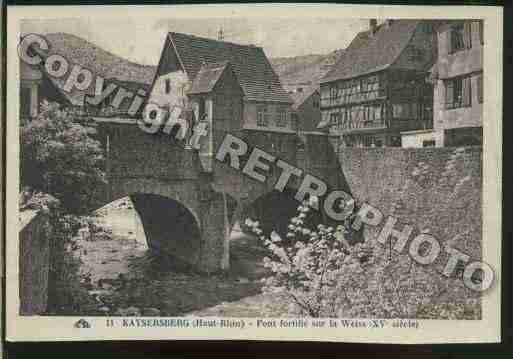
(466, 91)
(467, 34)
(449, 93)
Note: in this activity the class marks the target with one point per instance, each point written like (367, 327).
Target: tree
(60, 156)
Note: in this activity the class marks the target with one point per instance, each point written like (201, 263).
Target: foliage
(321, 275)
(65, 293)
(61, 157)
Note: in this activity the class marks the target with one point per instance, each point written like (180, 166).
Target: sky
(141, 40)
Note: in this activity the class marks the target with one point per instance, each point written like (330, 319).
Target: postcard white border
(487, 330)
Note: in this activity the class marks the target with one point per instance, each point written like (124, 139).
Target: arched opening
(171, 230)
(274, 211)
(142, 228)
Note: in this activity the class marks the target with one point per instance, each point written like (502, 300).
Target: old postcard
(257, 172)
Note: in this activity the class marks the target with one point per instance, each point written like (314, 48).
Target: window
(429, 143)
(458, 92)
(281, 118)
(333, 119)
(368, 141)
(405, 110)
(294, 121)
(460, 37)
(395, 141)
(262, 117)
(426, 28)
(168, 86)
(480, 88)
(333, 94)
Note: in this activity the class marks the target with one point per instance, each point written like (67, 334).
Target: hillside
(303, 69)
(291, 70)
(105, 63)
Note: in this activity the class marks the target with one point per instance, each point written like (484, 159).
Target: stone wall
(34, 262)
(436, 190)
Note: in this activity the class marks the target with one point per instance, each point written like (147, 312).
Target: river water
(126, 279)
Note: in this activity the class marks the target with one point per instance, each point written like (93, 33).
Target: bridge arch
(171, 228)
(274, 209)
(182, 191)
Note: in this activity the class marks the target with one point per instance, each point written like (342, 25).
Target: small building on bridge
(191, 70)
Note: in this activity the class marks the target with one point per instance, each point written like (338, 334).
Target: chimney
(373, 24)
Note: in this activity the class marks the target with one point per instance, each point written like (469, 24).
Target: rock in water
(104, 310)
(151, 312)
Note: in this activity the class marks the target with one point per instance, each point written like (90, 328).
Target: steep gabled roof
(207, 77)
(249, 64)
(369, 53)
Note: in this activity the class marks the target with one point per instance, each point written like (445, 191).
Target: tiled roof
(369, 53)
(207, 77)
(249, 63)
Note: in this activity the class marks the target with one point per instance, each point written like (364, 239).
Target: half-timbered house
(379, 86)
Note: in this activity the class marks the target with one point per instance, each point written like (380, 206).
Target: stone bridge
(188, 202)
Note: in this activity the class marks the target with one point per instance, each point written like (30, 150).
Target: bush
(321, 275)
(306, 265)
(59, 156)
(66, 296)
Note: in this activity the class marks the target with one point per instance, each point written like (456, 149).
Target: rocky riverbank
(125, 278)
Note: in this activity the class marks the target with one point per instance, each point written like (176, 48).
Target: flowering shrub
(320, 274)
(306, 265)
